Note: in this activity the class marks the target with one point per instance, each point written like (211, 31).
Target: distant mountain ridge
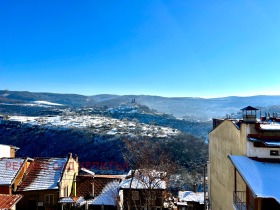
(181, 107)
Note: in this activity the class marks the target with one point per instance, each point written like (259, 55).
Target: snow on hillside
(99, 124)
(47, 103)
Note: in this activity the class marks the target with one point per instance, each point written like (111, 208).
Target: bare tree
(146, 184)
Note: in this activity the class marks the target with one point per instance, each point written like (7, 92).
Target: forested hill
(38, 141)
(194, 108)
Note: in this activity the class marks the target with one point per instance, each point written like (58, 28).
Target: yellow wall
(12, 152)
(20, 174)
(224, 140)
(68, 178)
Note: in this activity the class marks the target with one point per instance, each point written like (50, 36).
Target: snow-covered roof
(14, 147)
(9, 168)
(144, 180)
(80, 201)
(182, 204)
(43, 174)
(270, 126)
(66, 200)
(267, 142)
(8, 201)
(108, 196)
(272, 144)
(88, 171)
(261, 177)
(189, 196)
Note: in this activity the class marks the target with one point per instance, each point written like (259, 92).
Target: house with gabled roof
(90, 186)
(189, 200)
(143, 188)
(11, 173)
(244, 162)
(46, 181)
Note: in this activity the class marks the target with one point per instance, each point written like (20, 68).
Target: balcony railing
(239, 200)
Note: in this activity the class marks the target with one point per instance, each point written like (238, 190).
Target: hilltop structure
(244, 162)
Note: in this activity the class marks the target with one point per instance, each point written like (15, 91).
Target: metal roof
(8, 201)
(66, 200)
(43, 174)
(261, 177)
(108, 196)
(272, 144)
(267, 142)
(9, 168)
(80, 201)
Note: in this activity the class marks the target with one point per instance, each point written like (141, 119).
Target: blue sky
(191, 48)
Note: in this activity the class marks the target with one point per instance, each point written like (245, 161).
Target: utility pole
(204, 184)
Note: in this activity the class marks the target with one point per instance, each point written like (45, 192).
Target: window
(135, 195)
(153, 195)
(65, 191)
(49, 199)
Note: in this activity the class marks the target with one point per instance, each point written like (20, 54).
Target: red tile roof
(43, 174)
(8, 201)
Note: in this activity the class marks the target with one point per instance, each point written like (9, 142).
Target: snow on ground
(98, 124)
(47, 103)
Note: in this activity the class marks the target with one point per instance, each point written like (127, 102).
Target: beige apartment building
(244, 162)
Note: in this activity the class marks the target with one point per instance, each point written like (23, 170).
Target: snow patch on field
(47, 103)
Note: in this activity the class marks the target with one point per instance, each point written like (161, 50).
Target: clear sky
(191, 48)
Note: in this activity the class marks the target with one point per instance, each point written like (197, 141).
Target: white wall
(5, 151)
(259, 151)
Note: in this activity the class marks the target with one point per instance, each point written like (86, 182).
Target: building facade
(236, 141)
(46, 181)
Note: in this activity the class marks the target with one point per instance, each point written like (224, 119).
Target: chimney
(76, 158)
(194, 187)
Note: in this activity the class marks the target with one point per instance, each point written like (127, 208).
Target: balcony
(239, 201)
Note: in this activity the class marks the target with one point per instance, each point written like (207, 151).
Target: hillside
(100, 148)
(185, 107)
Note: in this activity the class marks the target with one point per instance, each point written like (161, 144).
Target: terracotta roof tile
(43, 174)
(8, 201)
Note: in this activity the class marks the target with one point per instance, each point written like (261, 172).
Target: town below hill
(94, 127)
(189, 108)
